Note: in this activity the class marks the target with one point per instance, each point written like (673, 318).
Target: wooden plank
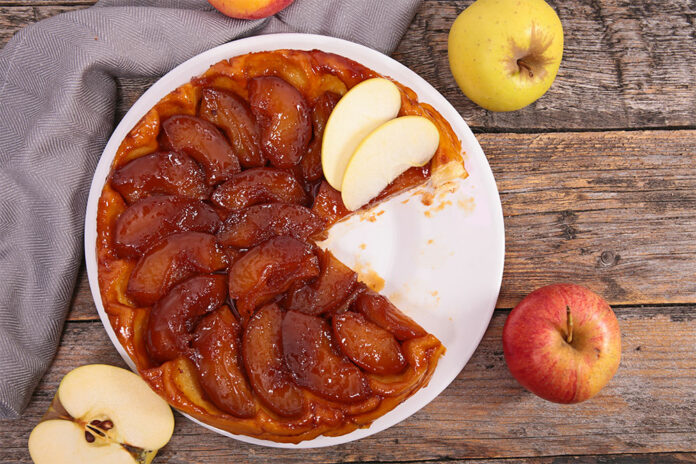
(13, 18)
(648, 407)
(625, 64)
(615, 211)
(651, 458)
(656, 458)
(82, 306)
(44, 3)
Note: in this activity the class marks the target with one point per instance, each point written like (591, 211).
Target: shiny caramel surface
(207, 266)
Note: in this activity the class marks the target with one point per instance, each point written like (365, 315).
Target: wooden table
(598, 184)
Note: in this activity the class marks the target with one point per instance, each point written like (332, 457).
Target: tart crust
(313, 73)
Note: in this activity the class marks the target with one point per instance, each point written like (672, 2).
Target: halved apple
(364, 108)
(383, 155)
(102, 414)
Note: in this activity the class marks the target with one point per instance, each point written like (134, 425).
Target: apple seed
(89, 437)
(96, 431)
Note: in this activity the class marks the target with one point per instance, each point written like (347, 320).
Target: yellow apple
(364, 108)
(504, 54)
(384, 154)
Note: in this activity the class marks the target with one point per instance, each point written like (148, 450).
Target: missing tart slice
(208, 264)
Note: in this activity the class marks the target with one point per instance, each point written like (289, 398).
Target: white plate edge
(200, 63)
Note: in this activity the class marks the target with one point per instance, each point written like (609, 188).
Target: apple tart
(208, 267)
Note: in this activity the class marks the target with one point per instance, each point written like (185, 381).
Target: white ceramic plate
(442, 263)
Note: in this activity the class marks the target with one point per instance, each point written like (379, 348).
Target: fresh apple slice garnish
(361, 110)
(102, 414)
(383, 155)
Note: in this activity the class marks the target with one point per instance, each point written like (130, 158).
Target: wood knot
(569, 232)
(609, 258)
(566, 220)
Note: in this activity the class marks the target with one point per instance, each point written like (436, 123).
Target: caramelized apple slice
(262, 351)
(172, 318)
(379, 310)
(269, 270)
(153, 218)
(333, 286)
(349, 302)
(328, 204)
(311, 161)
(251, 226)
(313, 362)
(203, 142)
(172, 260)
(163, 172)
(231, 114)
(283, 115)
(258, 185)
(217, 343)
(368, 345)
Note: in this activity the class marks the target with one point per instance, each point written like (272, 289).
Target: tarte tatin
(208, 266)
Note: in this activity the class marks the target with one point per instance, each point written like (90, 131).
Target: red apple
(249, 9)
(562, 342)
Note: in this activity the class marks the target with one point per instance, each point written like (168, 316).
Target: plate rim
(196, 65)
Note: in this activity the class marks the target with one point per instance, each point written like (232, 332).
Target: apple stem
(569, 319)
(525, 66)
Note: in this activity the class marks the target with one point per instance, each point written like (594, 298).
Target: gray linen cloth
(57, 98)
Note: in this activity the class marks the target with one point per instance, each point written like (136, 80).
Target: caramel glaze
(292, 367)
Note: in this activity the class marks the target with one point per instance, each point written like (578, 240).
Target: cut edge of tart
(207, 265)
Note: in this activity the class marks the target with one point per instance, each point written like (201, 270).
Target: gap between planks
(646, 408)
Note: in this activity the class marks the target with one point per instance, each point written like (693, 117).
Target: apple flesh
(362, 109)
(383, 155)
(562, 342)
(102, 414)
(62, 441)
(504, 54)
(249, 9)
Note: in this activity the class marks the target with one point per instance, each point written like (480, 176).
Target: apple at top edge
(562, 342)
(504, 54)
(249, 9)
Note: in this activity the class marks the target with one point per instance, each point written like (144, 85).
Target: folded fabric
(58, 94)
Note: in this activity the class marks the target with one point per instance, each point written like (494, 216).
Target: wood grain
(82, 305)
(654, 458)
(626, 64)
(649, 406)
(13, 18)
(615, 211)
